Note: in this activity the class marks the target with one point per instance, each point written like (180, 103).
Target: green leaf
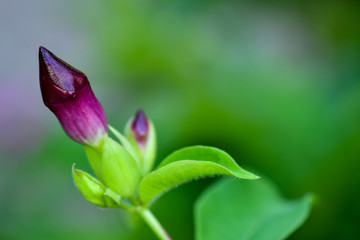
(119, 169)
(91, 189)
(236, 210)
(187, 164)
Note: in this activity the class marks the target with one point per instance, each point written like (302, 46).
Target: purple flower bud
(140, 127)
(67, 93)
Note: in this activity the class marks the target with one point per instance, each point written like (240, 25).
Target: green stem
(154, 224)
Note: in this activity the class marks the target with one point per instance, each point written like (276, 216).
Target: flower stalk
(153, 223)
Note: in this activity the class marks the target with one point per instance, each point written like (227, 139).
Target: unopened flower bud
(91, 189)
(141, 134)
(94, 191)
(67, 93)
(140, 128)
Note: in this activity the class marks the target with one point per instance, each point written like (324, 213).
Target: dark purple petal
(67, 93)
(140, 126)
(58, 80)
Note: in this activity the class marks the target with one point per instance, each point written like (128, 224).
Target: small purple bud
(140, 127)
(67, 93)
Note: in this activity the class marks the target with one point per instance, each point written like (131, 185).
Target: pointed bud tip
(44, 53)
(140, 125)
(58, 79)
(42, 50)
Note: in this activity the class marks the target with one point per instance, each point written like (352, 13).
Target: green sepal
(119, 169)
(94, 156)
(112, 199)
(150, 150)
(131, 140)
(131, 148)
(89, 187)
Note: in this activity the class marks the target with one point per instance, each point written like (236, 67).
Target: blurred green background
(274, 83)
